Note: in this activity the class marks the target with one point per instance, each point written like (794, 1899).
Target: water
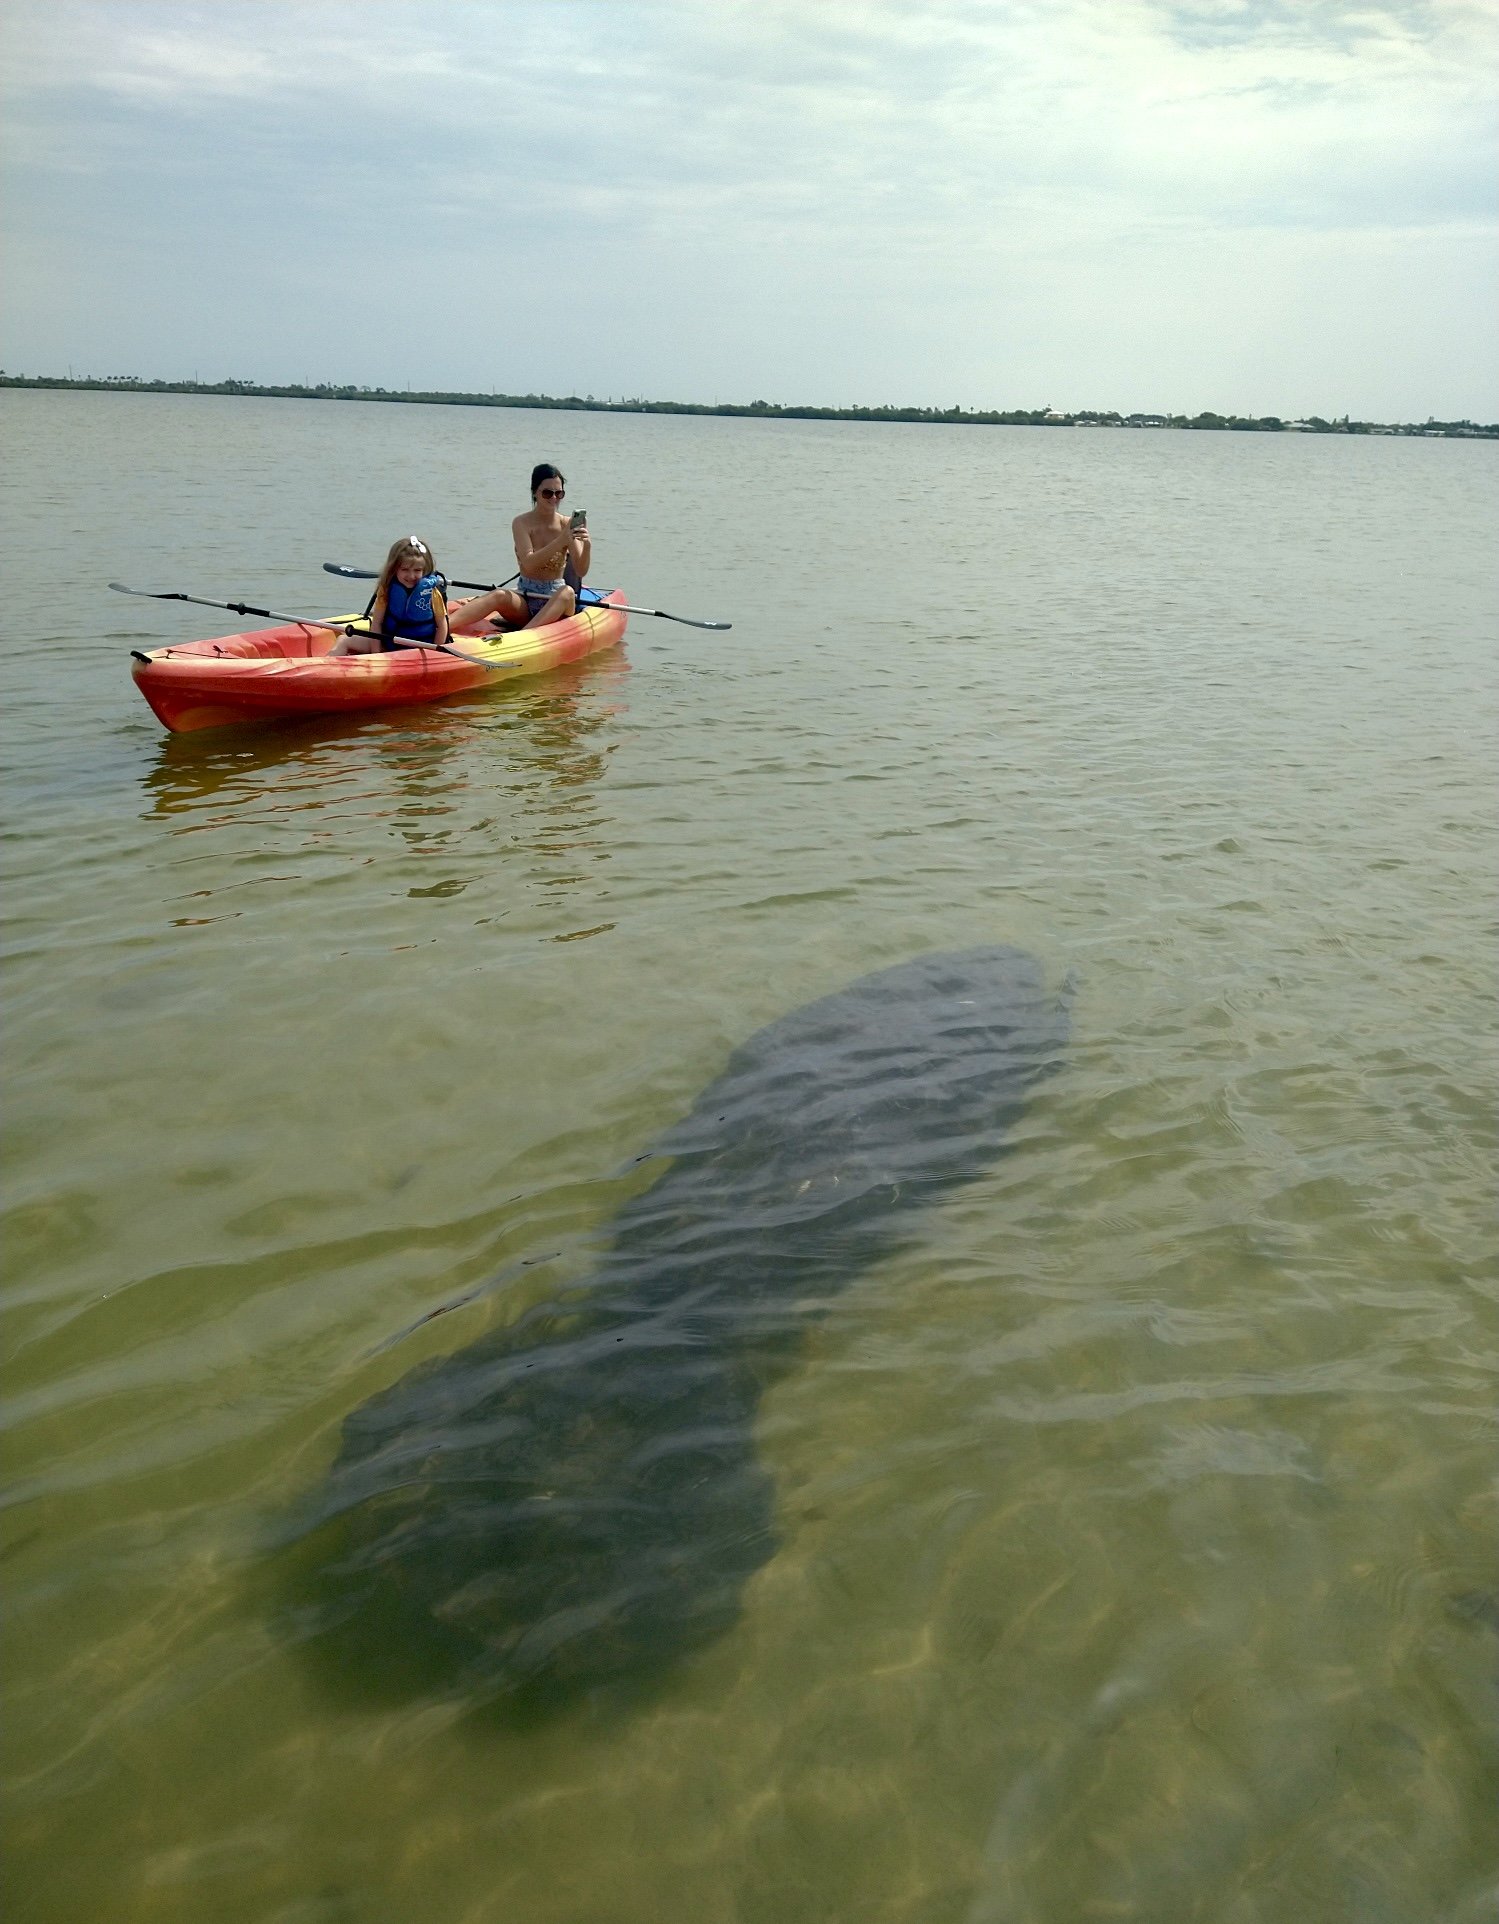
(1135, 1536)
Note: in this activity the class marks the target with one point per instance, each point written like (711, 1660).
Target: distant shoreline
(774, 411)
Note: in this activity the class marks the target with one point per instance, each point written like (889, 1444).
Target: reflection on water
(243, 766)
(518, 770)
(1132, 1513)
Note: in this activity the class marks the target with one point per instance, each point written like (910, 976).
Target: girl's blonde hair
(409, 544)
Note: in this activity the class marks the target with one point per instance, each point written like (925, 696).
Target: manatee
(576, 1498)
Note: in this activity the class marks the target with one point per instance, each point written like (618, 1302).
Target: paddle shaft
(718, 627)
(366, 574)
(300, 621)
(369, 574)
(234, 607)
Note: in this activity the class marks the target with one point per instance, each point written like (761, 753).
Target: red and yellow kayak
(276, 673)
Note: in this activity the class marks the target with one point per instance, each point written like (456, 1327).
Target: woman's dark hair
(545, 472)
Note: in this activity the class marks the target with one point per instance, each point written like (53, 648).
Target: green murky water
(1137, 1551)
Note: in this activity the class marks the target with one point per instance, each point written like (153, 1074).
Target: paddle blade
(172, 594)
(350, 574)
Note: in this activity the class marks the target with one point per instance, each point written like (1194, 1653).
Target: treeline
(1045, 417)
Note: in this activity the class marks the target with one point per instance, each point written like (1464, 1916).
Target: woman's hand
(543, 553)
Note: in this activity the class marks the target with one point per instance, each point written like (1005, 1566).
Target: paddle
(234, 607)
(718, 627)
(369, 574)
(301, 621)
(488, 587)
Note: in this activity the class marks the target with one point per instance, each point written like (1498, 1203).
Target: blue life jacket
(408, 611)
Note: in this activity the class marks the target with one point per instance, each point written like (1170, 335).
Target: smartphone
(580, 519)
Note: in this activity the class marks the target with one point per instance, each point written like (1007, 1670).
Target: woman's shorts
(537, 593)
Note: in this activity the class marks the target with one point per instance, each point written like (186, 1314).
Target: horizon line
(1207, 420)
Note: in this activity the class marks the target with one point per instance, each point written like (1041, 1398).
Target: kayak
(275, 673)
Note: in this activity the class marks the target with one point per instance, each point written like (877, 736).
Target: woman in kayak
(544, 545)
(408, 606)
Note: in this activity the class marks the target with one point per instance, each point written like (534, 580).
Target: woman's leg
(561, 605)
(467, 617)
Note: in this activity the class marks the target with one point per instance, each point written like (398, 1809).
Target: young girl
(545, 545)
(409, 604)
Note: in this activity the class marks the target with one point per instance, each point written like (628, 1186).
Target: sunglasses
(551, 494)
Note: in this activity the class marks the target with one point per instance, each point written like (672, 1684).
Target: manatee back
(903, 1083)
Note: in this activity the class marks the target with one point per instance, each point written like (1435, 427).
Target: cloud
(849, 180)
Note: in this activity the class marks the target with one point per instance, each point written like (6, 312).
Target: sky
(1257, 206)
